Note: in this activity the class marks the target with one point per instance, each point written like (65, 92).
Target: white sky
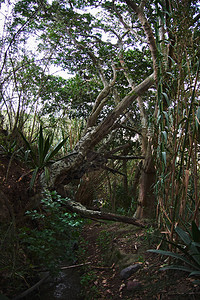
(5, 15)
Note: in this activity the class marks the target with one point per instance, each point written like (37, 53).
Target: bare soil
(112, 247)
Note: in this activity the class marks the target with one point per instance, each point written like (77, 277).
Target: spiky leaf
(174, 255)
(183, 235)
(195, 232)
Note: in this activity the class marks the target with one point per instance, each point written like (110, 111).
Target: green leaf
(183, 235)
(40, 146)
(164, 133)
(174, 255)
(28, 145)
(195, 254)
(169, 73)
(177, 267)
(195, 232)
(164, 158)
(47, 147)
(166, 117)
(33, 178)
(55, 150)
(195, 273)
(166, 98)
(198, 117)
(182, 121)
(196, 244)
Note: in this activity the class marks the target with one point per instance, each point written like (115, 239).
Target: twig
(75, 266)
(88, 263)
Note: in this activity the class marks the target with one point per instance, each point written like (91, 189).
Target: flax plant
(42, 155)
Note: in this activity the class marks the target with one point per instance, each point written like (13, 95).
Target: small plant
(7, 148)
(90, 290)
(87, 278)
(55, 236)
(189, 248)
(104, 240)
(42, 154)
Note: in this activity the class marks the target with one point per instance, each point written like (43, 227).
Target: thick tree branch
(104, 127)
(148, 31)
(100, 101)
(92, 214)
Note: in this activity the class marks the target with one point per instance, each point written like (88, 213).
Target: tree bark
(146, 199)
(93, 214)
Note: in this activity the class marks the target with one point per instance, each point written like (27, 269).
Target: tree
(90, 45)
(130, 96)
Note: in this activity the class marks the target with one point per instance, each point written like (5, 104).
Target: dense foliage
(55, 238)
(127, 111)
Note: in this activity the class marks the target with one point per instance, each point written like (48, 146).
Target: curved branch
(104, 127)
(148, 31)
(94, 59)
(15, 35)
(101, 100)
(31, 289)
(125, 157)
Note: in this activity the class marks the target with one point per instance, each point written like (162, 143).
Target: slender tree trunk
(114, 185)
(146, 199)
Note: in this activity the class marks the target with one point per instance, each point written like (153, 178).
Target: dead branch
(114, 171)
(75, 266)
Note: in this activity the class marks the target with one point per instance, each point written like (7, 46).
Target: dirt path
(110, 247)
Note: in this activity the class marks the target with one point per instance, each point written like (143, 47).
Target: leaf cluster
(189, 248)
(52, 241)
(42, 154)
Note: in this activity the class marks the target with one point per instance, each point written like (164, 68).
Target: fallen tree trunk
(94, 214)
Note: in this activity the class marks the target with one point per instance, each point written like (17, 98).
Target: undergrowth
(48, 238)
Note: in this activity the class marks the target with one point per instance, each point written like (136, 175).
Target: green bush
(57, 231)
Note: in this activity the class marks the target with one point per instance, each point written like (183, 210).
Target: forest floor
(111, 247)
(105, 249)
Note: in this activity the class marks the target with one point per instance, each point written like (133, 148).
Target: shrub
(55, 236)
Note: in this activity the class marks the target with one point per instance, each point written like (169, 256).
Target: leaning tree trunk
(84, 158)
